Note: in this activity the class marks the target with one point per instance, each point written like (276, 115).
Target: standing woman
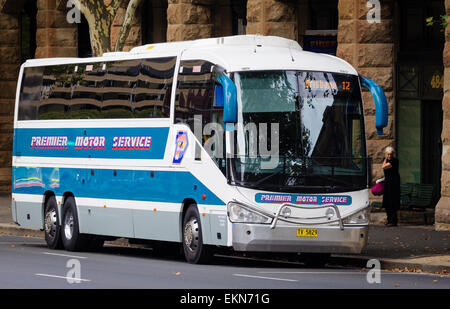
(391, 195)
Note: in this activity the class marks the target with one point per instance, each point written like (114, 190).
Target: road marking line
(315, 272)
(384, 273)
(268, 278)
(65, 255)
(18, 243)
(61, 277)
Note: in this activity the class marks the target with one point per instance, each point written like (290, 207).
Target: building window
(239, 16)
(324, 15)
(415, 36)
(321, 35)
(154, 21)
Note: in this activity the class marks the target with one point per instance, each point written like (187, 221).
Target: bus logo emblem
(181, 144)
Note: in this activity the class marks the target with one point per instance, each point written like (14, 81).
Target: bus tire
(195, 252)
(51, 224)
(70, 232)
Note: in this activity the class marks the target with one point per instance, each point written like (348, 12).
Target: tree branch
(133, 5)
(114, 6)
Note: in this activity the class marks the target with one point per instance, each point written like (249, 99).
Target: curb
(396, 265)
(15, 230)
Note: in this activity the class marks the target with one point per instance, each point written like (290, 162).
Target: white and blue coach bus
(243, 142)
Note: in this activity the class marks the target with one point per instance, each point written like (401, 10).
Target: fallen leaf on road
(177, 273)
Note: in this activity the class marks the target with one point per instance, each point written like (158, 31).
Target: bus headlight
(239, 214)
(361, 217)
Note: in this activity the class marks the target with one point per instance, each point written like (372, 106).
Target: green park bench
(414, 196)
(417, 197)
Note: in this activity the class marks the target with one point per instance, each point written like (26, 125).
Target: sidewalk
(407, 247)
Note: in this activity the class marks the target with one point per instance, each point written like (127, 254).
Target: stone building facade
(374, 36)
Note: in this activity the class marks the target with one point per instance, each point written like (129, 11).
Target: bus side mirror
(229, 100)
(381, 104)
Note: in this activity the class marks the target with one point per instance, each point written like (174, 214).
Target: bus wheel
(70, 233)
(194, 250)
(52, 228)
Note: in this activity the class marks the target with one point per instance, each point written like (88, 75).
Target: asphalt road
(28, 263)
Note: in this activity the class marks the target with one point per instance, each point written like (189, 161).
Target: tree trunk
(100, 17)
(133, 5)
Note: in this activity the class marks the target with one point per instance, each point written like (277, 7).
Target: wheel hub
(68, 225)
(50, 223)
(191, 234)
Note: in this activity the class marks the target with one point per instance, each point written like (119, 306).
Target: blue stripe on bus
(155, 186)
(108, 143)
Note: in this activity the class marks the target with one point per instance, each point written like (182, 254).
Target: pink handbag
(378, 188)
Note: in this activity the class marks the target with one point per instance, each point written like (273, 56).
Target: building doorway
(419, 93)
(432, 145)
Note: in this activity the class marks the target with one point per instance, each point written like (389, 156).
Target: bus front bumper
(329, 239)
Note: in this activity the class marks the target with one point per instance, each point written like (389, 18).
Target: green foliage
(443, 22)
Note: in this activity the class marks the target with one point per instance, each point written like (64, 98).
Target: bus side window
(31, 93)
(87, 84)
(153, 88)
(56, 92)
(195, 92)
(195, 101)
(120, 83)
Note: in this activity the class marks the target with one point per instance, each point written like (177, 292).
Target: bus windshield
(311, 124)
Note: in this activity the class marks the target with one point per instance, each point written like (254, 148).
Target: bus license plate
(307, 232)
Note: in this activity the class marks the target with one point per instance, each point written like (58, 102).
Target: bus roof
(234, 53)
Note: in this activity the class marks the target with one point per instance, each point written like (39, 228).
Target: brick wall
(189, 20)
(442, 214)
(271, 17)
(369, 47)
(9, 71)
(55, 37)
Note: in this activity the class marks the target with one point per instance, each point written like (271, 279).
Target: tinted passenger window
(153, 89)
(118, 92)
(87, 88)
(56, 92)
(121, 89)
(31, 93)
(195, 92)
(195, 100)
